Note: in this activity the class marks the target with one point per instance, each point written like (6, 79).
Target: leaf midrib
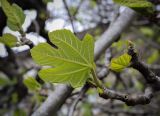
(15, 15)
(72, 72)
(67, 60)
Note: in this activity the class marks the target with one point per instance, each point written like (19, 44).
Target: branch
(154, 67)
(80, 96)
(70, 16)
(77, 9)
(24, 40)
(114, 31)
(54, 101)
(104, 42)
(129, 99)
(151, 78)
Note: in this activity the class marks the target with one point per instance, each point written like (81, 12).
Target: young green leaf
(71, 62)
(9, 40)
(15, 15)
(134, 3)
(121, 62)
(31, 84)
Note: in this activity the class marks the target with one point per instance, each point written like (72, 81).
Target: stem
(23, 34)
(97, 81)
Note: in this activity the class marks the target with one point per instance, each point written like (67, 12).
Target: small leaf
(71, 62)
(134, 3)
(121, 62)
(15, 15)
(31, 84)
(9, 40)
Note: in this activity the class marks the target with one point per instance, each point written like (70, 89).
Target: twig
(24, 40)
(70, 16)
(151, 78)
(154, 67)
(129, 99)
(74, 14)
(103, 73)
(100, 75)
(80, 96)
(96, 79)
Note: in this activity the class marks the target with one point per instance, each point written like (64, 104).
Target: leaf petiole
(96, 80)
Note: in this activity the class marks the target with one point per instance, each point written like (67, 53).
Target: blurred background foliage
(21, 89)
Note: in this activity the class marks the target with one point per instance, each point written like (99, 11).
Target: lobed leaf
(121, 62)
(70, 63)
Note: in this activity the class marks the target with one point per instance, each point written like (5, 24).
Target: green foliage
(4, 81)
(153, 57)
(71, 63)
(31, 84)
(100, 91)
(72, 10)
(15, 15)
(86, 109)
(147, 31)
(120, 45)
(134, 3)
(108, 84)
(93, 3)
(9, 40)
(139, 85)
(138, 5)
(47, 1)
(19, 112)
(91, 91)
(121, 62)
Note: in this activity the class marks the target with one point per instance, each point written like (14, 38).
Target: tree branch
(54, 101)
(114, 31)
(80, 96)
(70, 16)
(129, 99)
(151, 78)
